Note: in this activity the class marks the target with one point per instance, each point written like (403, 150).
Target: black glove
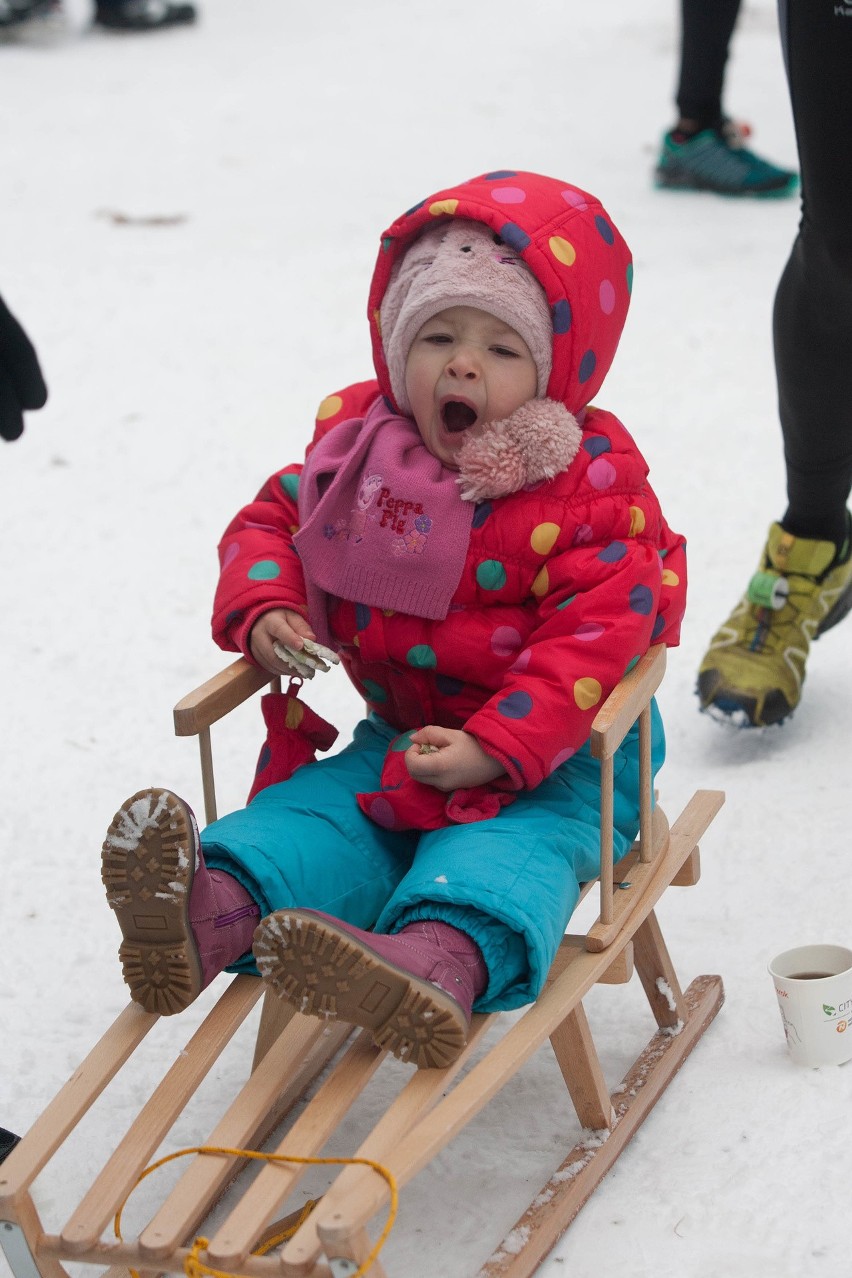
(21, 383)
(8, 1141)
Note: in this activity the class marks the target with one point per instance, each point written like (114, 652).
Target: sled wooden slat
(479, 1086)
(294, 1053)
(275, 1016)
(74, 1100)
(234, 1239)
(306, 1045)
(413, 1103)
(159, 1114)
(123, 1256)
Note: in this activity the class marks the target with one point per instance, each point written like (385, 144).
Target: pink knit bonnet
(462, 263)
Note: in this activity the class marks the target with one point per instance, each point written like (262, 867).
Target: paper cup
(814, 988)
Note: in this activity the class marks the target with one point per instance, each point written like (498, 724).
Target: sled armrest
(195, 712)
(218, 697)
(626, 702)
(629, 701)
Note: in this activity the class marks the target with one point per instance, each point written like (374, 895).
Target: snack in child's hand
(307, 659)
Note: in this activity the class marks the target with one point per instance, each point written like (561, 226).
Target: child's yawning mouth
(458, 415)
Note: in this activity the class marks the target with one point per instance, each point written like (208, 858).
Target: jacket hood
(569, 242)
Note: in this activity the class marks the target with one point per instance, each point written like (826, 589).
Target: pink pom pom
(538, 441)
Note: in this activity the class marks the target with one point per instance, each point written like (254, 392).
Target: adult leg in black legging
(706, 30)
(813, 305)
(754, 669)
(704, 151)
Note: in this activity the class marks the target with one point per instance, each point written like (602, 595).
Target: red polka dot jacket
(565, 585)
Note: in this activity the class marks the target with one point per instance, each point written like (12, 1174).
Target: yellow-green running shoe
(753, 671)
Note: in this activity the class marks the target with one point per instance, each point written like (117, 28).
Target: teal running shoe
(716, 160)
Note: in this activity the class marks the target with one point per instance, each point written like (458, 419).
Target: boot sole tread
(325, 972)
(147, 870)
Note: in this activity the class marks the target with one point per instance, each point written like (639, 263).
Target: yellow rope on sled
(195, 1267)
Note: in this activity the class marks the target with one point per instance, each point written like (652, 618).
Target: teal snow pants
(511, 882)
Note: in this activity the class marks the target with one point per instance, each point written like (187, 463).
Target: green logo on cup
(829, 1011)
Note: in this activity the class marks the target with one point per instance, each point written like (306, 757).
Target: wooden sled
(296, 1055)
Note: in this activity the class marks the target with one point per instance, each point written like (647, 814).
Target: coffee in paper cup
(814, 988)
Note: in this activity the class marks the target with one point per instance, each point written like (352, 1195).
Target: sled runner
(296, 1056)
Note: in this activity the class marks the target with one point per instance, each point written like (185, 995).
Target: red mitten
(294, 733)
(406, 804)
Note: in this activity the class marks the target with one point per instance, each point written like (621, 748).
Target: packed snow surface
(189, 222)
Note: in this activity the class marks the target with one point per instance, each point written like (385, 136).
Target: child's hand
(282, 642)
(449, 759)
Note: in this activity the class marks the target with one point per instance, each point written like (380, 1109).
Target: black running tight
(706, 29)
(812, 325)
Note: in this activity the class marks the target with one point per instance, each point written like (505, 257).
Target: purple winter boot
(413, 990)
(181, 923)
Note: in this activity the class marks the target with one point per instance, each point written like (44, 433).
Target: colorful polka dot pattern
(381, 811)
(561, 312)
(508, 195)
(541, 584)
(505, 642)
(295, 713)
(563, 250)
(543, 538)
(422, 657)
(562, 757)
(585, 270)
(587, 693)
(569, 241)
(230, 554)
(491, 575)
(290, 483)
(637, 526)
(517, 705)
(438, 207)
(264, 570)
(601, 473)
(515, 236)
(329, 407)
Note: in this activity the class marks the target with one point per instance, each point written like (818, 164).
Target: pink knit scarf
(382, 520)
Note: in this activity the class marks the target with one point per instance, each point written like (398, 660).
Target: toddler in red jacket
(479, 547)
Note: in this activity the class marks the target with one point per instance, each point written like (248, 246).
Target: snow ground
(185, 362)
